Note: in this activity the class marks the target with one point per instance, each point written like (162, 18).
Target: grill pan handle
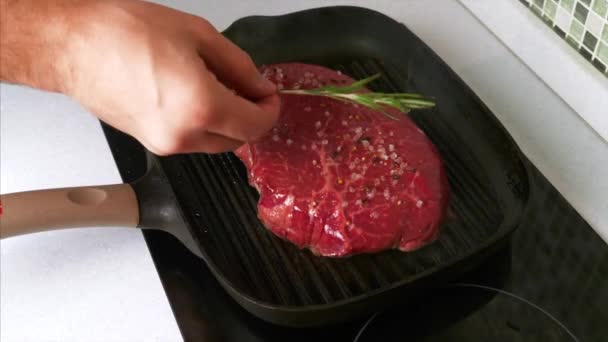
(146, 203)
(89, 206)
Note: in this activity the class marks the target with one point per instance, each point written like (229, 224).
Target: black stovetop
(550, 283)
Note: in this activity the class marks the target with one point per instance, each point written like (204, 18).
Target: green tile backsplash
(568, 5)
(600, 7)
(576, 30)
(580, 12)
(582, 23)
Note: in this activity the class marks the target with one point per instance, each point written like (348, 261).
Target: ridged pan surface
(268, 275)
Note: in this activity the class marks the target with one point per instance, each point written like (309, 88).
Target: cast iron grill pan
(282, 284)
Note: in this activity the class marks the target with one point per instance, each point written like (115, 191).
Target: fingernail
(266, 84)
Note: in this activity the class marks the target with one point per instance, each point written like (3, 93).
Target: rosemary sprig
(403, 102)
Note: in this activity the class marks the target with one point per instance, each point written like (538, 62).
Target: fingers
(240, 119)
(233, 66)
(190, 142)
(212, 143)
(218, 100)
(208, 117)
(270, 104)
(255, 108)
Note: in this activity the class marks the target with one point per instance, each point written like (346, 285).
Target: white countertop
(100, 284)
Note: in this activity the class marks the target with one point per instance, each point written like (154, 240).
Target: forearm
(34, 37)
(161, 75)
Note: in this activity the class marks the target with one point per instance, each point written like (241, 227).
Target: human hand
(165, 77)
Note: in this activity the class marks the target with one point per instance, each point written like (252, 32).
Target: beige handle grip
(43, 210)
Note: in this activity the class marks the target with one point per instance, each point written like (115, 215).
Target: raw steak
(342, 179)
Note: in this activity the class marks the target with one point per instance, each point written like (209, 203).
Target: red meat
(342, 179)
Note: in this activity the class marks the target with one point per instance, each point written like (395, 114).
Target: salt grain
(318, 124)
(387, 194)
(324, 142)
(326, 113)
(374, 215)
(371, 194)
(307, 109)
(288, 141)
(314, 162)
(358, 133)
(390, 133)
(391, 147)
(393, 156)
(358, 202)
(303, 147)
(275, 138)
(419, 203)
(365, 143)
